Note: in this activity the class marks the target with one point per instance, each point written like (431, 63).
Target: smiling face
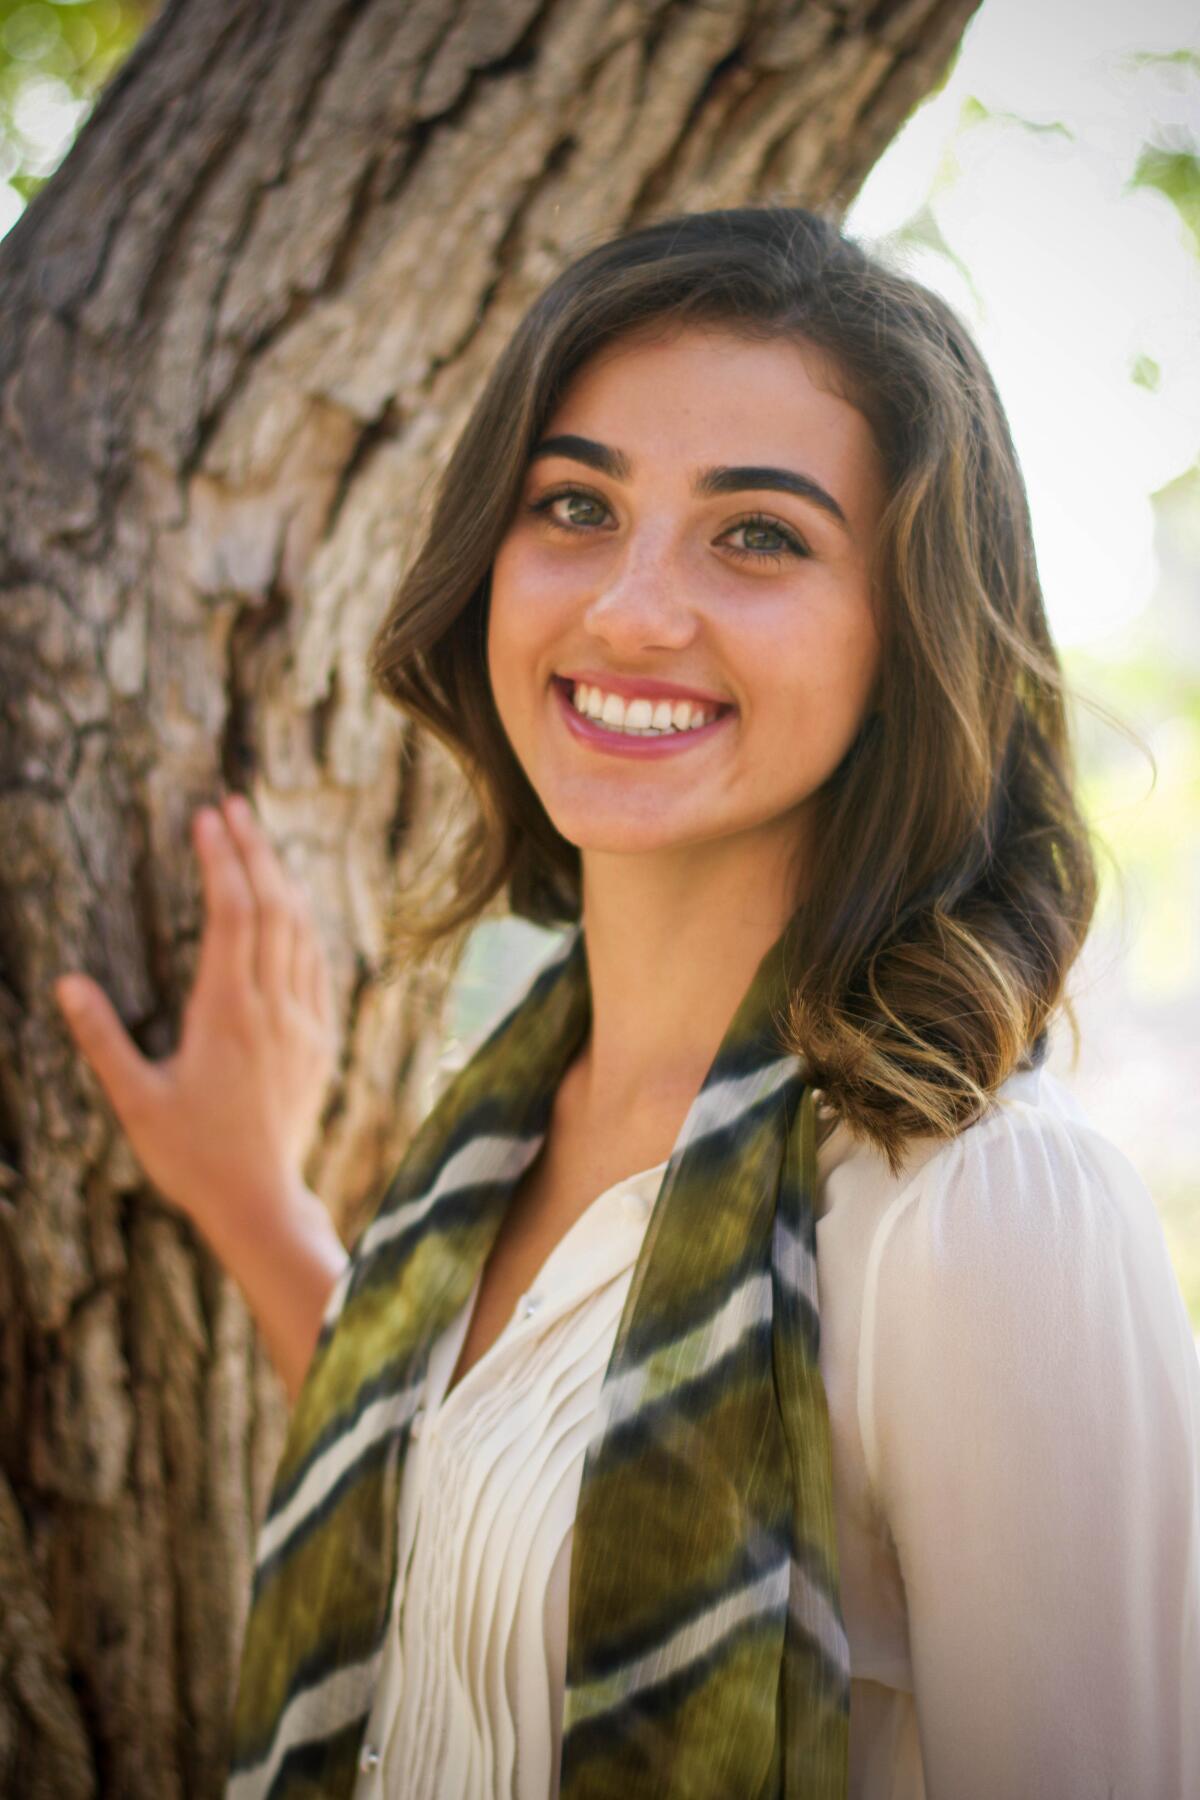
(628, 566)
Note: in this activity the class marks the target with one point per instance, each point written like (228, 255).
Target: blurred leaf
(1174, 169)
(921, 231)
(1146, 373)
(1157, 59)
(974, 112)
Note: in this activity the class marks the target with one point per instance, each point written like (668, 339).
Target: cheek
(846, 659)
(820, 664)
(530, 616)
(520, 633)
(506, 618)
(518, 599)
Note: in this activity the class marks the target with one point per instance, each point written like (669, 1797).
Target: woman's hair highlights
(957, 880)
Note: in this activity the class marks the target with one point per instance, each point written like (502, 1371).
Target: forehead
(707, 394)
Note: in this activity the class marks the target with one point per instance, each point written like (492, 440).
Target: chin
(618, 836)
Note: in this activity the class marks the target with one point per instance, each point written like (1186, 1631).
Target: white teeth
(641, 717)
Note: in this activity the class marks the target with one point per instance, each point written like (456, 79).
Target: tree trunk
(242, 326)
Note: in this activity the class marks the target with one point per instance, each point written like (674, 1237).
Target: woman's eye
(574, 503)
(780, 543)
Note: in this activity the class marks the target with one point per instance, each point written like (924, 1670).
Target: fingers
(291, 958)
(126, 1076)
(277, 908)
(227, 949)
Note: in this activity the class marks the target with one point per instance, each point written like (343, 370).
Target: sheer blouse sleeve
(1030, 1405)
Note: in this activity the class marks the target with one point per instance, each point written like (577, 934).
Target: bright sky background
(1067, 277)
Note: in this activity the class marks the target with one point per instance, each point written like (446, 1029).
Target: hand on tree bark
(227, 1120)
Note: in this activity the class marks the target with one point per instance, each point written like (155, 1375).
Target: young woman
(760, 1378)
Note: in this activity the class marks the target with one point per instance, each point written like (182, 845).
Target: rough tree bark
(241, 326)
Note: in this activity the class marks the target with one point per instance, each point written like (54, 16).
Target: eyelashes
(793, 545)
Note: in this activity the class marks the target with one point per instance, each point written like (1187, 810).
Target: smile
(621, 740)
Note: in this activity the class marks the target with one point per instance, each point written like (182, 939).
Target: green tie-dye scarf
(706, 1654)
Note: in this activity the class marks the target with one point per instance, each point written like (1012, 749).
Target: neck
(673, 943)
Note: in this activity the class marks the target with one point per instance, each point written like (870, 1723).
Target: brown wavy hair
(957, 879)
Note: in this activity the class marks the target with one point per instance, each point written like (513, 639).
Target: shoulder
(1032, 1178)
(1032, 1193)
(1023, 1265)
(1031, 1216)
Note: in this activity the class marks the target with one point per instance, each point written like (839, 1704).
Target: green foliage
(974, 112)
(1174, 169)
(1187, 59)
(54, 59)
(922, 231)
(1144, 372)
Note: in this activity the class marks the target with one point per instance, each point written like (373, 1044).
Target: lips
(593, 734)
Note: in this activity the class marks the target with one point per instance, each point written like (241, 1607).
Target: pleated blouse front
(477, 1646)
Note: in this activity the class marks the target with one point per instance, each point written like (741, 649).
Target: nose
(644, 601)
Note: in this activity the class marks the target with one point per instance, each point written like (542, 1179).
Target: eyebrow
(705, 483)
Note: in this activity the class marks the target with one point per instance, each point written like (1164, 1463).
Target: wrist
(283, 1250)
(266, 1210)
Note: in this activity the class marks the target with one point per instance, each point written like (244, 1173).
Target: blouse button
(636, 1205)
(416, 1422)
(368, 1762)
(529, 1304)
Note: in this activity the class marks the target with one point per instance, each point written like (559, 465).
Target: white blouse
(1014, 1401)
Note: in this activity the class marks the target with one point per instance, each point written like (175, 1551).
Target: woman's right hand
(226, 1121)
